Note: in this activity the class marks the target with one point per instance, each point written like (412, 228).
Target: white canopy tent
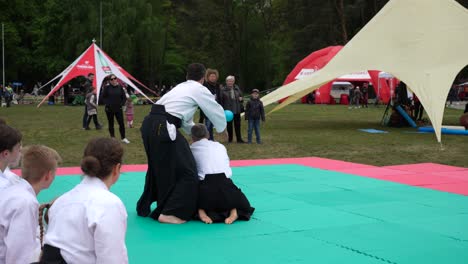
(425, 43)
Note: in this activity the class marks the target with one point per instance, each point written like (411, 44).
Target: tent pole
(3, 55)
(100, 22)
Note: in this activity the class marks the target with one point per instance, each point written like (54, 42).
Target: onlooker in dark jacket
(211, 82)
(114, 98)
(230, 98)
(254, 111)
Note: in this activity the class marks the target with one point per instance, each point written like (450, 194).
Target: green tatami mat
(304, 215)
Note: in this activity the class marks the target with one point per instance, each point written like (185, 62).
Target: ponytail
(43, 217)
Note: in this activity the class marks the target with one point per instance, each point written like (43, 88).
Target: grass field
(329, 131)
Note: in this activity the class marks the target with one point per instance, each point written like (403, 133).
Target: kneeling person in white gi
(219, 198)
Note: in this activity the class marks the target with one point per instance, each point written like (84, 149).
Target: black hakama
(171, 179)
(51, 255)
(218, 195)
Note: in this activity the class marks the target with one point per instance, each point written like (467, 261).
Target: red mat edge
(313, 162)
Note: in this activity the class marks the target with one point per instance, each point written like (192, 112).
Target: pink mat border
(447, 178)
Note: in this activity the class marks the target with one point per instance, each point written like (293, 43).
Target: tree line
(258, 41)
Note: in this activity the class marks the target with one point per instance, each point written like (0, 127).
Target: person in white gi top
(10, 154)
(171, 179)
(88, 223)
(219, 200)
(19, 206)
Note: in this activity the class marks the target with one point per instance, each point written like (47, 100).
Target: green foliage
(258, 41)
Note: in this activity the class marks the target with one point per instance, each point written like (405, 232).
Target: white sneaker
(125, 140)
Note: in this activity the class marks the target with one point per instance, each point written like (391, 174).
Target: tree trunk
(339, 6)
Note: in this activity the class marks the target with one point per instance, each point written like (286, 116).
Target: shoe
(87, 128)
(126, 141)
(240, 142)
(99, 127)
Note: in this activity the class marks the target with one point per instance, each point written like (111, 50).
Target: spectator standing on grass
(254, 112)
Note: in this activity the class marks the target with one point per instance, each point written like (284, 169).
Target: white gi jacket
(88, 225)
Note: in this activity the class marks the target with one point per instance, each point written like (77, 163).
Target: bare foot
(232, 217)
(170, 219)
(204, 217)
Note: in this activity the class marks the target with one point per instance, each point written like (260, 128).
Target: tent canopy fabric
(425, 47)
(319, 59)
(93, 60)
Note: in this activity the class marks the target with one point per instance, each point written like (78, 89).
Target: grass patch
(329, 131)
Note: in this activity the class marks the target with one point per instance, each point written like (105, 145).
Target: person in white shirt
(88, 223)
(171, 179)
(10, 154)
(19, 206)
(220, 200)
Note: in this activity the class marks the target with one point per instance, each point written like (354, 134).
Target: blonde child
(19, 206)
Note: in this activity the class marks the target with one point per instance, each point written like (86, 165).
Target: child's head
(255, 93)
(10, 146)
(199, 132)
(102, 158)
(39, 165)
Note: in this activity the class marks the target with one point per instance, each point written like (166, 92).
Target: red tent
(94, 60)
(317, 60)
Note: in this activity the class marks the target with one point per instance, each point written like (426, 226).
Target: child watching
(19, 206)
(129, 110)
(10, 154)
(91, 107)
(88, 223)
(219, 200)
(254, 111)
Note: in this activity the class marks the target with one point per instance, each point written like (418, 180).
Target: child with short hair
(10, 154)
(19, 206)
(88, 223)
(254, 111)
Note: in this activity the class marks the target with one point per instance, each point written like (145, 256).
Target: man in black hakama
(171, 179)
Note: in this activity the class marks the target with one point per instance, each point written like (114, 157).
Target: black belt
(216, 177)
(51, 255)
(161, 110)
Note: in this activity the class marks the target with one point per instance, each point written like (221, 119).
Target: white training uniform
(4, 182)
(183, 101)
(18, 224)
(88, 225)
(8, 178)
(11, 178)
(211, 158)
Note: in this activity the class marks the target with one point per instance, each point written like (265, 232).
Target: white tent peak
(421, 42)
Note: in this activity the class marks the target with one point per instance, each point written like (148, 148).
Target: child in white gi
(19, 206)
(88, 223)
(10, 154)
